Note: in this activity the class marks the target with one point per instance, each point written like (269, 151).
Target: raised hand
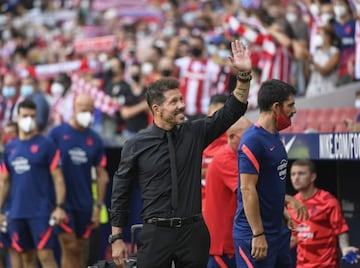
(240, 59)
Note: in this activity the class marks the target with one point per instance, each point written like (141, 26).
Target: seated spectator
(324, 64)
(351, 125)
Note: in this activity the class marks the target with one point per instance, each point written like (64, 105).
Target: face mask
(26, 90)
(282, 120)
(211, 49)
(57, 89)
(314, 10)
(135, 78)
(339, 11)
(147, 68)
(223, 54)
(326, 18)
(8, 92)
(318, 40)
(196, 52)
(357, 104)
(357, 6)
(169, 31)
(27, 124)
(84, 119)
(291, 17)
(165, 72)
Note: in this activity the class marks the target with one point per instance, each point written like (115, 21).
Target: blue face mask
(8, 92)
(26, 90)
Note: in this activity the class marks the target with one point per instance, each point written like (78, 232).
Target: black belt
(174, 222)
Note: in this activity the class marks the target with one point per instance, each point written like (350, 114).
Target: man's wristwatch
(244, 76)
(61, 205)
(112, 238)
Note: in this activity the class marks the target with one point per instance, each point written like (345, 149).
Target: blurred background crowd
(51, 50)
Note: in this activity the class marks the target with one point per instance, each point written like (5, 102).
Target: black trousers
(187, 246)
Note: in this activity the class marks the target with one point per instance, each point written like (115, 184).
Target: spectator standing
(262, 166)
(357, 41)
(324, 64)
(31, 162)
(8, 99)
(80, 149)
(344, 27)
(173, 224)
(115, 84)
(134, 112)
(197, 76)
(301, 34)
(30, 89)
(221, 201)
(318, 237)
(62, 100)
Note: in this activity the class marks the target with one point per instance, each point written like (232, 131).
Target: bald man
(220, 205)
(81, 149)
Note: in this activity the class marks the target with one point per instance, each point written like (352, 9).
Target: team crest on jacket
(89, 141)
(34, 148)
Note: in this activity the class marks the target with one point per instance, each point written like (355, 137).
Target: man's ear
(276, 108)
(155, 108)
(313, 177)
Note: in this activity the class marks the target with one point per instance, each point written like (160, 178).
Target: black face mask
(196, 52)
(136, 77)
(165, 72)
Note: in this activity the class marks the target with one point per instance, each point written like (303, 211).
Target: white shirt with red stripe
(198, 80)
(275, 60)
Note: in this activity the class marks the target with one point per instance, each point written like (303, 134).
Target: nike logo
(289, 144)
(272, 148)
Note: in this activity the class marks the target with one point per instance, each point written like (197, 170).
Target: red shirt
(221, 203)
(208, 155)
(317, 237)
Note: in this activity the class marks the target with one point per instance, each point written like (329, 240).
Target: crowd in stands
(51, 51)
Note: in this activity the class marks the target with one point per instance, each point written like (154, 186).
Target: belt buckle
(176, 222)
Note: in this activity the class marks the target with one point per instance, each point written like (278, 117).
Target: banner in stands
(323, 146)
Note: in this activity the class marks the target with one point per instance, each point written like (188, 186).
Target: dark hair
(155, 91)
(121, 63)
(218, 98)
(27, 104)
(63, 79)
(305, 162)
(329, 30)
(12, 124)
(272, 91)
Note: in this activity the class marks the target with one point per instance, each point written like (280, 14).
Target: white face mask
(318, 40)
(339, 11)
(325, 18)
(357, 104)
(314, 9)
(84, 119)
(291, 17)
(27, 124)
(357, 6)
(57, 89)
